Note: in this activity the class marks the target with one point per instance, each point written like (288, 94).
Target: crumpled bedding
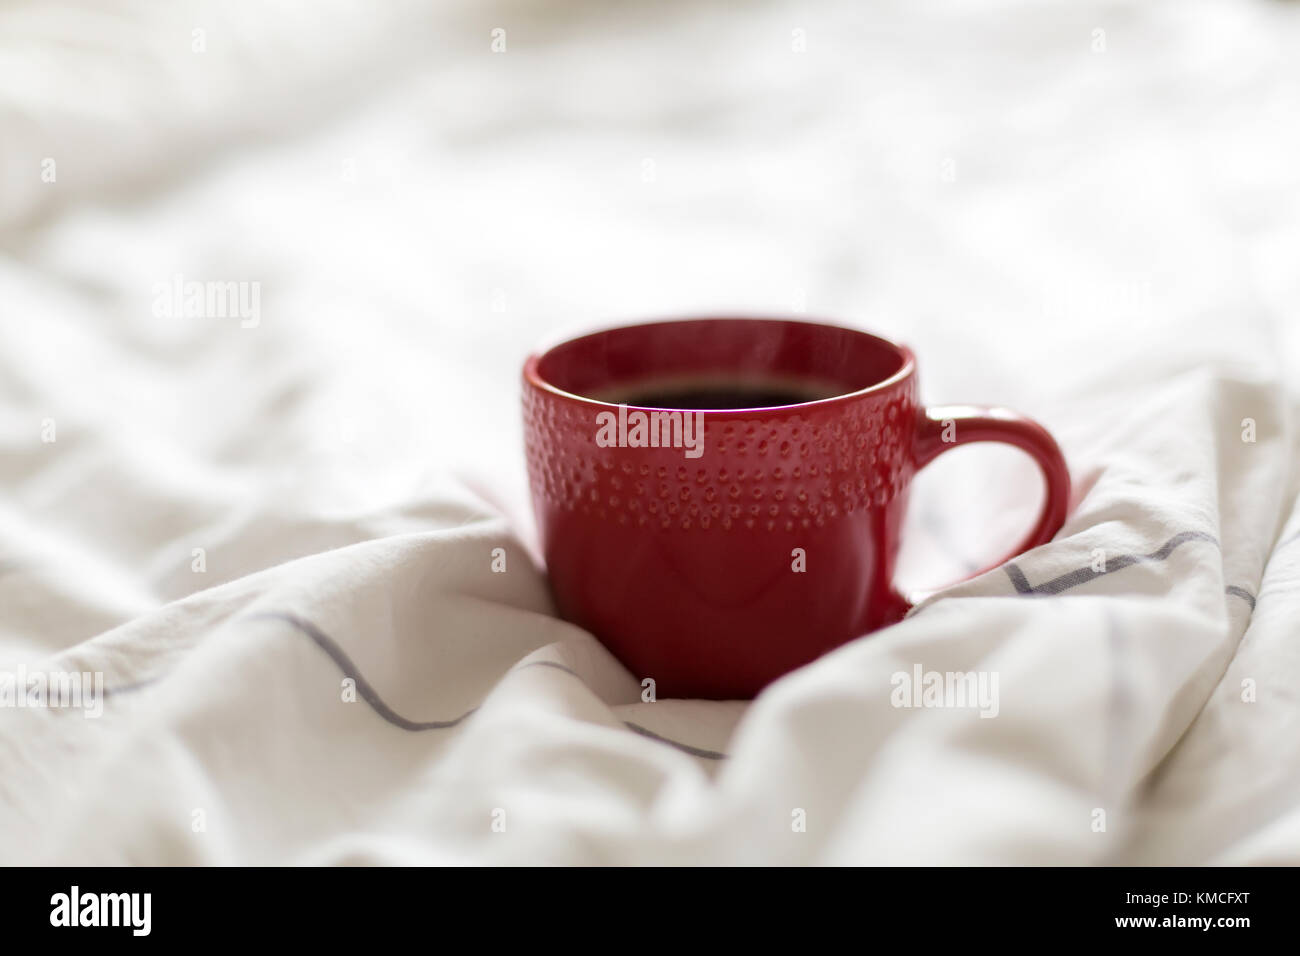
(275, 539)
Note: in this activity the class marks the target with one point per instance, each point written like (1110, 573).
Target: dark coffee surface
(719, 394)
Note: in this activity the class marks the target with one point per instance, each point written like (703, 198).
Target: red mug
(714, 550)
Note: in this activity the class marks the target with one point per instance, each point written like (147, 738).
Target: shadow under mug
(715, 562)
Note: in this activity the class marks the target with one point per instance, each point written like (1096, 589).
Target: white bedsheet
(1090, 212)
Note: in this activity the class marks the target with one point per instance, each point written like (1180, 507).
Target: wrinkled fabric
(299, 550)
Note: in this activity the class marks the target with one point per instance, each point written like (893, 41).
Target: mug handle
(944, 427)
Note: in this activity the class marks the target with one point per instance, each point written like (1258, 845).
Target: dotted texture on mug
(784, 469)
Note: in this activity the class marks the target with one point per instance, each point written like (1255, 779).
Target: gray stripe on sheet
(371, 696)
(1085, 574)
(685, 748)
(644, 732)
(1079, 576)
(349, 669)
(1241, 593)
(1018, 579)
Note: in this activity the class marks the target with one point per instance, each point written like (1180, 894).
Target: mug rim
(906, 368)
